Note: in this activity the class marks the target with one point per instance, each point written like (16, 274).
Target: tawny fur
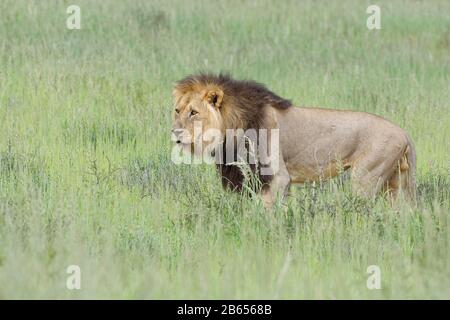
(315, 143)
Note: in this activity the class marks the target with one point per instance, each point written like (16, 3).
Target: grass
(85, 171)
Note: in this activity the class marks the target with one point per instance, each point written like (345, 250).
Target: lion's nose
(176, 133)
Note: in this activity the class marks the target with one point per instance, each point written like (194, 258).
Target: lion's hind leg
(367, 183)
(371, 173)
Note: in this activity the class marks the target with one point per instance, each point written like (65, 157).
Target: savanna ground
(86, 177)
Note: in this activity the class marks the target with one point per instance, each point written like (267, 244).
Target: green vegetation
(85, 171)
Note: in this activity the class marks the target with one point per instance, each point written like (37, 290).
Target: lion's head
(207, 105)
(197, 116)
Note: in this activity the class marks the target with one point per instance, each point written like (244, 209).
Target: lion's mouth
(185, 146)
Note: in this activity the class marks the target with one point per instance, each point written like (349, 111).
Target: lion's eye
(177, 111)
(193, 113)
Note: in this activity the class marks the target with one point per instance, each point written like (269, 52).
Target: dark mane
(244, 100)
(250, 94)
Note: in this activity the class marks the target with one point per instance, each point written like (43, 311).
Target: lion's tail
(408, 169)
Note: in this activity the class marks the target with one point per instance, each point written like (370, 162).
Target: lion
(314, 144)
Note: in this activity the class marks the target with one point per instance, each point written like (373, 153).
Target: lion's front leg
(278, 186)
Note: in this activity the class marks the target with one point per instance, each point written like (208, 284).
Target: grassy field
(85, 171)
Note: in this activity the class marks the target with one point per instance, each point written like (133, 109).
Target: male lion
(314, 144)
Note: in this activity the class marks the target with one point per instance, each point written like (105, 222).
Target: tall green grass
(85, 171)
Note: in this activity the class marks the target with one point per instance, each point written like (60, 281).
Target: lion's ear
(214, 97)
